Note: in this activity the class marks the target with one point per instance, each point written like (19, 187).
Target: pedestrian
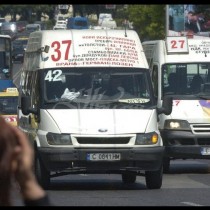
(193, 23)
(16, 163)
(171, 18)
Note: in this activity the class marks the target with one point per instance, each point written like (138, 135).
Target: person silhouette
(172, 80)
(16, 164)
(196, 84)
(193, 23)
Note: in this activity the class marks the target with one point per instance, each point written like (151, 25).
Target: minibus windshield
(98, 86)
(186, 79)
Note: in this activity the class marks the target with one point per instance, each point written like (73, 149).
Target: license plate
(205, 151)
(103, 156)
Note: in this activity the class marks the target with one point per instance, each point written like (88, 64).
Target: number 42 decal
(54, 75)
(57, 53)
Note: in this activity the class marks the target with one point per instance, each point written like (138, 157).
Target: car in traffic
(9, 28)
(1, 21)
(59, 27)
(78, 23)
(109, 23)
(8, 105)
(18, 54)
(21, 25)
(33, 27)
(18, 49)
(20, 41)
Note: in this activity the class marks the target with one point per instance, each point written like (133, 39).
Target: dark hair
(7, 144)
(191, 12)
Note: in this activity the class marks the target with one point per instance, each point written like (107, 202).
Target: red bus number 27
(177, 44)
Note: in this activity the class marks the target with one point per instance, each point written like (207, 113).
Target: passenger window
(155, 79)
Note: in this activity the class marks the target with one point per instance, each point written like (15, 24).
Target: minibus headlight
(146, 138)
(177, 125)
(59, 139)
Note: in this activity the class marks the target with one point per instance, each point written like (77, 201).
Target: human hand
(24, 157)
(22, 167)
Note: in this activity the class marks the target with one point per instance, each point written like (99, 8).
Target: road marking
(191, 204)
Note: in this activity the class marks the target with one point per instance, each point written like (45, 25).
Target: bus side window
(155, 79)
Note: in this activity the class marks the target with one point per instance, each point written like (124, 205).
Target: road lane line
(191, 204)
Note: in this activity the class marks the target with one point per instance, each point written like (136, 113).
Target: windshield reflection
(93, 88)
(186, 79)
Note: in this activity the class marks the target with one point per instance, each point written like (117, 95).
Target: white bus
(180, 67)
(87, 104)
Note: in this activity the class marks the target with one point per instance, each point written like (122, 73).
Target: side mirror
(26, 106)
(166, 106)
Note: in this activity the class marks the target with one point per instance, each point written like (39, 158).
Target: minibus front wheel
(42, 174)
(154, 178)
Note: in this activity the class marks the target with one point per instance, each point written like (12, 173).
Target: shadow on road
(189, 166)
(95, 184)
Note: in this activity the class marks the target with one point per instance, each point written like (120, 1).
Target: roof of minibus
(82, 48)
(198, 51)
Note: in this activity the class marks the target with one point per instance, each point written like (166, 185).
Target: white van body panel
(190, 111)
(89, 50)
(90, 121)
(194, 54)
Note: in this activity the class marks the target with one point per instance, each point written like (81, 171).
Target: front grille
(201, 128)
(111, 140)
(190, 141)
(185, 141)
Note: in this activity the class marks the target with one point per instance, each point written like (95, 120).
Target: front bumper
(134, 159)
(185, 144)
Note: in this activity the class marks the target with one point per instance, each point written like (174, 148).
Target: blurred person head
(192, 17)
(7, 144)
(16, 167)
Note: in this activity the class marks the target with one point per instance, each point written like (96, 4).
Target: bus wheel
(154, 178)
(42, 174)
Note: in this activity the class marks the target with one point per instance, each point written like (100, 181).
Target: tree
(148, 20)
(29, 12)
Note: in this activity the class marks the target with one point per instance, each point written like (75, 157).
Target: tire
(42, 174)
(128, 178)
(154, 178)
(166, 165)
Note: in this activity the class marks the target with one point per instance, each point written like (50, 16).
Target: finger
(15, 158)
(21, 137)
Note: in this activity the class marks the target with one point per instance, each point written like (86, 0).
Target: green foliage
(50, 24)
(148, 20)
(29, 12)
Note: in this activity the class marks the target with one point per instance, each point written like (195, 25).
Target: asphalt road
(188, 184)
